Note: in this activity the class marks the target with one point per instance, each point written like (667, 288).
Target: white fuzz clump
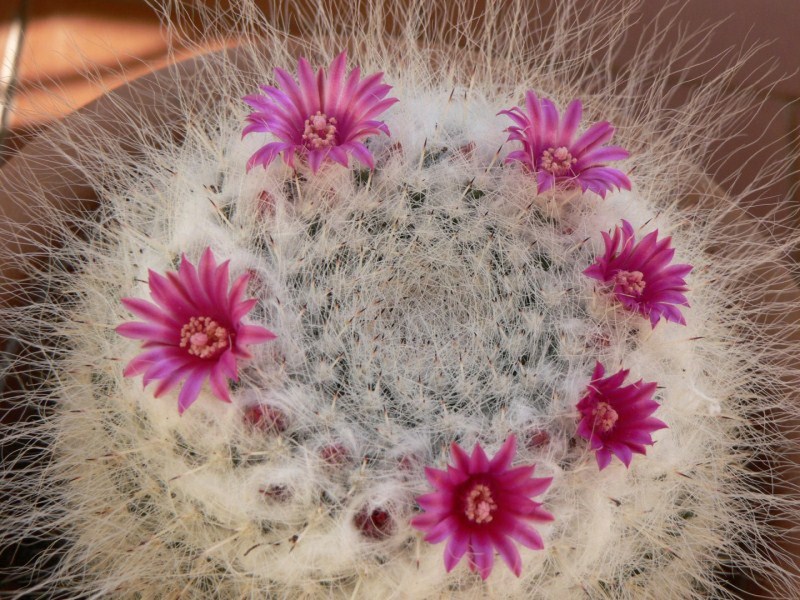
(435, 299)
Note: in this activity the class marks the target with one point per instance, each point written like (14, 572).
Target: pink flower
(642, 277)
(616, 419)
(483, 505)
(550, 150)
(323, 118)
(194, 330)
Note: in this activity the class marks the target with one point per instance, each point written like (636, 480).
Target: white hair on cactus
(436, 299)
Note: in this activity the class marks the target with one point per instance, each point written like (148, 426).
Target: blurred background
(47, 47)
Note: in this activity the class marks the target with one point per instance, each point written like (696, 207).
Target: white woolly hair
(436, 299)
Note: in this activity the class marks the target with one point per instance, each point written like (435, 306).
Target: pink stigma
(605, 417)
(320, 131)
(558, 161)
(479, 504)
(204, 337)
(630, 282)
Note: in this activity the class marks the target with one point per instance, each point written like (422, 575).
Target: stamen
(558, 161)
(605, 417)
(479, 504)
(204, 337)
(320, 131)
(630, 282)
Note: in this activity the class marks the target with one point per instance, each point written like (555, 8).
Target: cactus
(438, 298)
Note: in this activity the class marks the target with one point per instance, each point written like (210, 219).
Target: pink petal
(596, 135)
(437, 478)
(160, 334)
(460, 457)
(534, 487)
(253, 334)
(502, 460)
(528, 537)
(516, 115)
(338, 154)
(508, 551)
(514, 477)
(169, 295)
(148, 311)
(570, 122)
(521, 156)
(426, 521)
(540, 515)
(308, 86)
(599, 371)
(315, 159)
(291, 89)
(219, 285)
(378, 108)
(482, 554)
(603, 457)
(191, 389)
(603, 155)
(241, 309)
(436, 501)
(171, 380)
(188, 278)
(350, 87)
(596, 271)
(144, 361)
(455, 549)
(653, 424)
(637, 437)
(335, 84)
(457, 476)
(237, 291)
(442, 530)
(479, 462)
(259, 103)
(161, 368)
(549, 120)
(206, 272)
(366, 87)
(361, 153)
(227, 362)
(623, 453)
(266, 154)
(534, 108)
(219, 384)
(544, 181)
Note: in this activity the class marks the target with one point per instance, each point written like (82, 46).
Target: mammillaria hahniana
(443, 299)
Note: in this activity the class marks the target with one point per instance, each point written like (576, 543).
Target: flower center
(605, 417)
(557, 160)
(203, 337)
(320, 131)
(479, 504)
(630, 282)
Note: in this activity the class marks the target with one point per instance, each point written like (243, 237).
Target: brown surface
(74, 52)
(768, 30)
(116, 40)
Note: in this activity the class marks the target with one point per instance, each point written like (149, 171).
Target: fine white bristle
(437, 299)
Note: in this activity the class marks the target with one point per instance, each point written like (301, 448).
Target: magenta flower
(194, 330)
(550, 150)
(643, 279)
(483, 505)
(616, 419)
(323, 118)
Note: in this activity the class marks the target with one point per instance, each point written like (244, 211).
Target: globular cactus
(430, 293)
